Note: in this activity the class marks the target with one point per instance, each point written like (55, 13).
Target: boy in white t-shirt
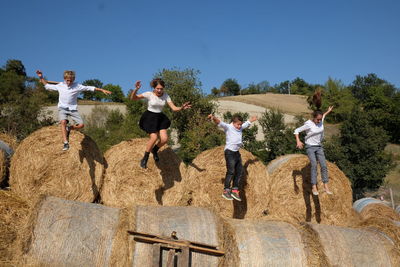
(234, 166)
(68, 92)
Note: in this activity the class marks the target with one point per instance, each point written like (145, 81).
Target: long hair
(317, 101)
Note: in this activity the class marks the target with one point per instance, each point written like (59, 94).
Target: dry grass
(290, 104)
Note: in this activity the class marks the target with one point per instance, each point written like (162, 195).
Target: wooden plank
(167, 238)
(171, 258)
(156, 254)
(183, 257)
(177, 243)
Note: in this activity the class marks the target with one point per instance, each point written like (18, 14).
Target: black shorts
(152, 122)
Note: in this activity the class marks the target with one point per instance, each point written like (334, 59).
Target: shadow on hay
(91, 153)
(169, 171)
(240, 207)
(305, 174)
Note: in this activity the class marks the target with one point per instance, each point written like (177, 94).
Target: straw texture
(375, 208)
(39, 166)
(204, 183)
(292, 198)
(264, 243)
(68, 233)
(355, 247)
(127, 184)
(189, 223)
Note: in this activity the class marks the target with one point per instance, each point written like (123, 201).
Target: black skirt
(152, 122)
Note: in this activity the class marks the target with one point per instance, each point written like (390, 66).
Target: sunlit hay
(127, 184)
(39, 166)
(204, 184)
(291, 197)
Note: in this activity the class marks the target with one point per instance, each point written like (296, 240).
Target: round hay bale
(14, 213)
(8, 144)
(69, 233)
(355, 247)
(291, 197)
(192, 224)
(370, 207)
(263, 243)
(204, 183)
(127, 184)
(39, 166)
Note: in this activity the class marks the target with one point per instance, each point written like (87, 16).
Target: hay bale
(264, 243)
(14, 213)
(371, 207)
(69, 233)
(39, 166)
(3, 166)
(292, 198)
(355, 247)
(204, 183)
(189, 223)
(127, 184)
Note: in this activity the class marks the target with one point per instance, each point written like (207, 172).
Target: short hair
(237, 118)
(157, 81)
(69, 74)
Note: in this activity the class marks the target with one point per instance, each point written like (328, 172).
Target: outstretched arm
(41, 78)
(214, 119)
(104, 91)
(134, 95)
(183, 107)
(327, 112)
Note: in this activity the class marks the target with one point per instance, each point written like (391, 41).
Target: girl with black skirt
(153, 121)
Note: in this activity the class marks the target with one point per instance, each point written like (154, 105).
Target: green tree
(361, 84)
(96, 95)
(230, 86)
(215, 91)
(117, 94)
(359, 151)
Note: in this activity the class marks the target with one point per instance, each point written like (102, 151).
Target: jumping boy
(68, 92)
(234, 167)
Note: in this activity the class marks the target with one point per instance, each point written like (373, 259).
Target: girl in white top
(153, 121)
(314, 129)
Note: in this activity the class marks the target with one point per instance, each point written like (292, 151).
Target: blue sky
(119, 41)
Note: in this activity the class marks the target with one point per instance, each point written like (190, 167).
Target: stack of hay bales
(127, 184)
(291, 198)
(69, 233)
(8, 144)
(39, 166)
(356, 247)
(14, 213)
(264, 243)
(204, 182)
(374, 208)
(192, 224)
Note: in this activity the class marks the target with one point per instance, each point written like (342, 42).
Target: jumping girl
(153, 121)
(314, 135)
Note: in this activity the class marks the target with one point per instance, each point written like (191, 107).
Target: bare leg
(63, 124)
(152, 140)
(77, 126)
(163, 138)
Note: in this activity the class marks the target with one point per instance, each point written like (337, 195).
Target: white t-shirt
(233, 135)
(68, 96)
(154, 103)
(314, 132)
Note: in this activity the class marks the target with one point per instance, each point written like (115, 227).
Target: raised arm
(134, 95)
(104, 91)
(41, 78)
(175, 108)
(214, 119)
(327, 112)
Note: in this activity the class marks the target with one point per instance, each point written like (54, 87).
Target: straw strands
(375, 208)
(14, 213)
(190, 223)
(39, 166)
(127, 184)
(355, 247)
(264, 243)
(68, 233)
(292, 198)
(204, 184)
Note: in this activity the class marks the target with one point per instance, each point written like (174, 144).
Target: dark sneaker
(68, 128)
(143, 163)
(235, 195)
(227, 194)
(66, 146)
(155, 154)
